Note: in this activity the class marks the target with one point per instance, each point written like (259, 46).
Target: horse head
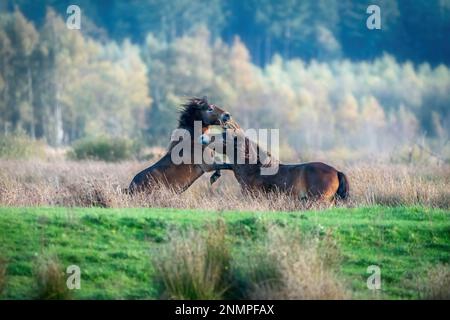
(199, 109)
(237, 146)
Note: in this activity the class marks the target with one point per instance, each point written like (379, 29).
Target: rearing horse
(179, 177)
(314, 180)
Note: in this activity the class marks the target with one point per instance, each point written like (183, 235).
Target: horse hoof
(214, 178)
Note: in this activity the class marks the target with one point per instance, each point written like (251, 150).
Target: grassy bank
(113, 246)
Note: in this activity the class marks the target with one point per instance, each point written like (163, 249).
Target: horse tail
(344, 188)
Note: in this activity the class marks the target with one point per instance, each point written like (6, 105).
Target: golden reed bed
(72, 183)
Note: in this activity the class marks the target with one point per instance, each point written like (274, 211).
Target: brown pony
(307, 181)
(179, 177)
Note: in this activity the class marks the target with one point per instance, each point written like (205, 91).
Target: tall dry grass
(3, 266)
(436, 285)
(194, 266)
(200, 265)
(291, 267)
(50, 279)
(89, 183)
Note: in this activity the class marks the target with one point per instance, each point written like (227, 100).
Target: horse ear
(205, 99)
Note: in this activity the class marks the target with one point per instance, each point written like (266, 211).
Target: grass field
(113, 247)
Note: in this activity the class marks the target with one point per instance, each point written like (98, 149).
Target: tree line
(60, 85)
(306, 29)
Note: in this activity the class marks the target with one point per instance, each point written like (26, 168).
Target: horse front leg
(216, 175)
(216, 168)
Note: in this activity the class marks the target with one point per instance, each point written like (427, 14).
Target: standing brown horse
(179, 177)
(307, 181)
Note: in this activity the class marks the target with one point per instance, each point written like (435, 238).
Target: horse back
(165, 173)
(315, 179)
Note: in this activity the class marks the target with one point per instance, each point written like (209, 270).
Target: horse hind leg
(306, 200)
(317, 199)
(216, 175)
(303, 196)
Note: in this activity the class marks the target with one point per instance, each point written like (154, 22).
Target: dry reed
(89, 183)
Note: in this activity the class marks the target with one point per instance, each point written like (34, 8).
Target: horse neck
(194, 146)
(172, 144)
(258, 149)
(249, 171)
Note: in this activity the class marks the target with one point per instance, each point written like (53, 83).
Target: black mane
(190, 112)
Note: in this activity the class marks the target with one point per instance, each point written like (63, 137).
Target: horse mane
(188, 112)
(269, 160)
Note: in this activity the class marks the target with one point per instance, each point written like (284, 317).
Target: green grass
(113, 246)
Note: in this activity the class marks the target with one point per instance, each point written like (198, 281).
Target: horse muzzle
(204, 139)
